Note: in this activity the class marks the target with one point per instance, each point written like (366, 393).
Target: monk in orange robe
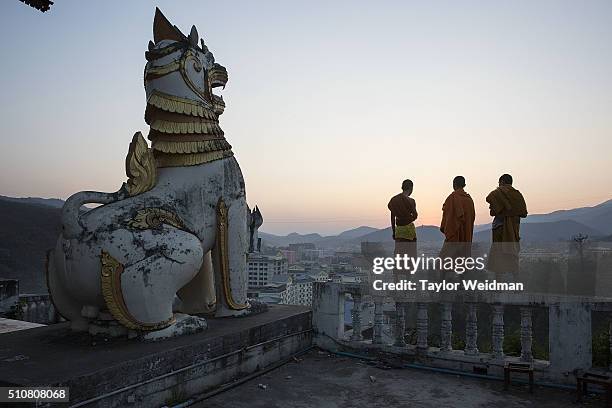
(457, 224)
(507, 206)
(403, 214)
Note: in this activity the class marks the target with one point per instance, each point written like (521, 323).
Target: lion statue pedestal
(174, 237)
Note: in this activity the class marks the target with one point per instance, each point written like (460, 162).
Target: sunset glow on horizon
(329, 106)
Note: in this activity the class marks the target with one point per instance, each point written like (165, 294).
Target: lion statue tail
(140, 167)
(71, 212)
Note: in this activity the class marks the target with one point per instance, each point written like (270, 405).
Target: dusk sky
(330, 105)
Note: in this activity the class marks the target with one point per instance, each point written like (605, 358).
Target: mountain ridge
(595, 221)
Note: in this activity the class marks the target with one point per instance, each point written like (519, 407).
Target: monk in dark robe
(457, 224)
(403, 214)
(507, 206)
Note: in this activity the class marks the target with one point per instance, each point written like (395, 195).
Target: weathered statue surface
(177, 228)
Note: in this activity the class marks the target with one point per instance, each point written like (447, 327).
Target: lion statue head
(182, 110)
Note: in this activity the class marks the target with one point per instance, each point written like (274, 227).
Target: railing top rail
(598, 303)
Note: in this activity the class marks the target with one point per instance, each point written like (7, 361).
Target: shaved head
(407, 185)
(458, 182)
(505, 179)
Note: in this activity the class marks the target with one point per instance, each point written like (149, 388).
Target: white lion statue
(174, 237)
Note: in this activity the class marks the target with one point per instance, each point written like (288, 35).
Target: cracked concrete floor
(323, 381)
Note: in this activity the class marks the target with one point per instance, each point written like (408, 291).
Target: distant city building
(372, 249)
(305, 251)
(294, 269)
(301, 246)
(275, 292)
(262, 268)
(310, 254)
(291, 256)
(320, 275)
(344, 256)
(299, 290)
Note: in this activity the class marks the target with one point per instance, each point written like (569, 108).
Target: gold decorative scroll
(113, 296)
(186, 127)
(177, 104)
(194, 159)
(196, 146)
(222, 247)
(190, 54)
(180, 64)
(140, 166)
(153, 218)
(158, 72)
(158, 53)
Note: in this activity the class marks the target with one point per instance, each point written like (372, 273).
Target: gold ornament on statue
(140, 166)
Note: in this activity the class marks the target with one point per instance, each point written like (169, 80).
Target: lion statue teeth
(174, 237)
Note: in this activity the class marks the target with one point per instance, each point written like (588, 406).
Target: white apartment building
(262, 268)
(299, 290)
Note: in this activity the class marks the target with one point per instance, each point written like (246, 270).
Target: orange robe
(508, 205)
(458, 216)
(457, 225)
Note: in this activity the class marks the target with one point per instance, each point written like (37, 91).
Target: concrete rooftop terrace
(113, 373)
(323, 380)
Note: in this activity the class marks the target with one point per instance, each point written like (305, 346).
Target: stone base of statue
(106, 326)
(120, 372)
(185, 324)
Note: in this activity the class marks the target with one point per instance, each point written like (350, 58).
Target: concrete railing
(569, 328)
(36, 308)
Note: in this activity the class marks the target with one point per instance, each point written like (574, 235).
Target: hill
(284, 240)
(51, 202)
(546, 231)
(28, 230)
(356, 232)
(598, 217)
(425, 233)
(30, 226)
(330, 241)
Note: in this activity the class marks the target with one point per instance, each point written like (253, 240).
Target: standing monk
(457, 224)
(507, 206)
(403, 214)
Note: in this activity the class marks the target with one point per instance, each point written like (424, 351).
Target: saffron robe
(457, 224)
(508, 205)
(458, 216)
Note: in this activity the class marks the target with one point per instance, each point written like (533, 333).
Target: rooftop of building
(323, 380)
(253, 256)
(10, 325)
(302, 278)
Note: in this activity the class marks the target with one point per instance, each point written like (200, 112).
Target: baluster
(378, 321)
(422, 326)
(25, 311)
(42, 309)
(32, 312)
(471, 330)
(446, 327)
(400, 324)
(526, 334)
(51, 314)
(497, 337)
(356, 315)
